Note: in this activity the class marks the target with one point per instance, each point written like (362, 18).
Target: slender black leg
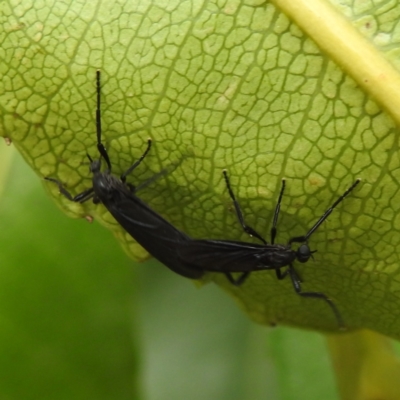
(282, 275)
(136, 163)
(239, 213)
(276, 214)
(301, 239)
(316, 295)
(238, 281)
(100, 147)
(79, 198)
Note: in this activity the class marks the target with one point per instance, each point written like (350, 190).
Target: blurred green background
(80, 320)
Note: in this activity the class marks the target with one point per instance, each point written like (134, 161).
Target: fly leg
(136, 163)
(281, 275)
(246, 228)
(317, 295)
(238, 281)
(276, 213)
(79, 198)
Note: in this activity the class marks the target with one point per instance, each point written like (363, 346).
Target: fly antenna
(326, 214)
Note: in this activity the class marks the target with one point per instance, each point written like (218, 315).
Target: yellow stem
(365, 365)
(336, 36)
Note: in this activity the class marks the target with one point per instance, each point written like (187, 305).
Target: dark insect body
(229, 256)
(148, 228)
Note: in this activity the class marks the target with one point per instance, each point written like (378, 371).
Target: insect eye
(303, 253)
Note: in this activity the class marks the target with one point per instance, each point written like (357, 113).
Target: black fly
(149, 229)
(228, 256)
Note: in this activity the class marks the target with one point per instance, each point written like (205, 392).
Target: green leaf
(234, 85)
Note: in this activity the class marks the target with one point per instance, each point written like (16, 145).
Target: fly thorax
(276, 256)
(106, 185)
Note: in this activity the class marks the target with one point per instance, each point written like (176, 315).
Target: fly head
(95, 165)
(303, 253)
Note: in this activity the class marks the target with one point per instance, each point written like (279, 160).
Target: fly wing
(155, 234)
(224, 255)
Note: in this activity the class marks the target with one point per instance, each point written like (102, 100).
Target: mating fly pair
(186, 256)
